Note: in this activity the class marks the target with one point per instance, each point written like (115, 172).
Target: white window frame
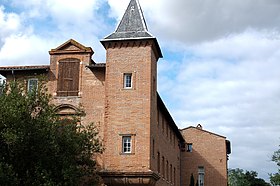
(189, 147)
(127, 144)
(29, 88)
(201, 176)
(127, 81)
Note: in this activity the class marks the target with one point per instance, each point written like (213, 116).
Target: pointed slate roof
(132, 25)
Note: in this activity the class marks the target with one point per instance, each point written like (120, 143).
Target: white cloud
(42, 25)
(25, 50)
(9, 23)
(231, 86)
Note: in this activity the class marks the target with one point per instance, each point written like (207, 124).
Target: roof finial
(199, 126)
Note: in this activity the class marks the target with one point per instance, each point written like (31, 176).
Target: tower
(130, 100)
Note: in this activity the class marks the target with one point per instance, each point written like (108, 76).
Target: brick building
(208, 154)
(143, 145)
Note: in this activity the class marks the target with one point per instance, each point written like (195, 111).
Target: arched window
(68, 114)
(66, 109)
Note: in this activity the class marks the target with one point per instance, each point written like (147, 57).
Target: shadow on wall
(214, 173)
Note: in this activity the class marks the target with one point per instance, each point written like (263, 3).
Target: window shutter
(68, 77)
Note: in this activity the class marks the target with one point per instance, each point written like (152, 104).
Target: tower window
(127, 80)
(32, 84)
(126, 144)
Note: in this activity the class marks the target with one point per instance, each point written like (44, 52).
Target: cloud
(37, 26)
(191, 21)
(9, 23)
(25, 50)
(231, 86)
(196, 21)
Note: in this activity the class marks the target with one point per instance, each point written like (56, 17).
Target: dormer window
(68, 77)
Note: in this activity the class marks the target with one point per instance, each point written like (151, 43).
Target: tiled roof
(132, 25)
(97, 65)
(170, 120)
(39, 67)
(202, 130)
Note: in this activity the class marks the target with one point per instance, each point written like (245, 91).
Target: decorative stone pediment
(71, 46)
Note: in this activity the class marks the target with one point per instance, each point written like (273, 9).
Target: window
(68, 77)
(127, 80)
(189, 147)
(158, 162)
(171, 177)
(200, 176)
(163, 167)
(2, 86)
(126, 144)
(158, 116)
(163, 123)
(174, 173)
(153, 148)
(32, 84)
(167, 170)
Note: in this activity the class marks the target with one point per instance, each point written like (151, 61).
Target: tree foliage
(275, 178)
(39, 148)
(237, 177)
(192, 181)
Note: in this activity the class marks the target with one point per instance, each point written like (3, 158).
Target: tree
(275, 178)
(237, 177)
(39, 148)
(192, 180)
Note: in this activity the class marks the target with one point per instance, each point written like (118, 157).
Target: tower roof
(132, 25)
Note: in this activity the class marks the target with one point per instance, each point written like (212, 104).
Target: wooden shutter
(68, 77)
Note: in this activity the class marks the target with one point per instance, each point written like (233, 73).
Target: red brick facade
(207, 155)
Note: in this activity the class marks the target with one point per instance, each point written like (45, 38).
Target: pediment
(71, 46)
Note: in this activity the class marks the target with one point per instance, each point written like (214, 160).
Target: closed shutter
(68, 77)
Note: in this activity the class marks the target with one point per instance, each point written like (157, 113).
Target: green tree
(39, 148)
(275, 178)
(192, 180)
(237, 177)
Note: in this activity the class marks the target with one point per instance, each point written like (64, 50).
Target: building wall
(166, 146)
(128, 111)
(91, 88)
(208, 151)
(91, 96)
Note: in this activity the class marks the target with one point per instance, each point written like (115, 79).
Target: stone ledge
(129, 178)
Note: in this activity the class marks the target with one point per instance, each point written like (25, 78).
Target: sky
(220, 66)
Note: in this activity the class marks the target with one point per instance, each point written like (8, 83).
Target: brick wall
(209, 152)
(128, 111)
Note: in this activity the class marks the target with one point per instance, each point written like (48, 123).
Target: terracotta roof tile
(39, 67)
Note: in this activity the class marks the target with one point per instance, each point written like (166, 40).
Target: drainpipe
(13, 74)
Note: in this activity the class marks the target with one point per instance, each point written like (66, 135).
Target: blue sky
(220, 67)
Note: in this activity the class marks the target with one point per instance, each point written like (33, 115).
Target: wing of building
(143, 145)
